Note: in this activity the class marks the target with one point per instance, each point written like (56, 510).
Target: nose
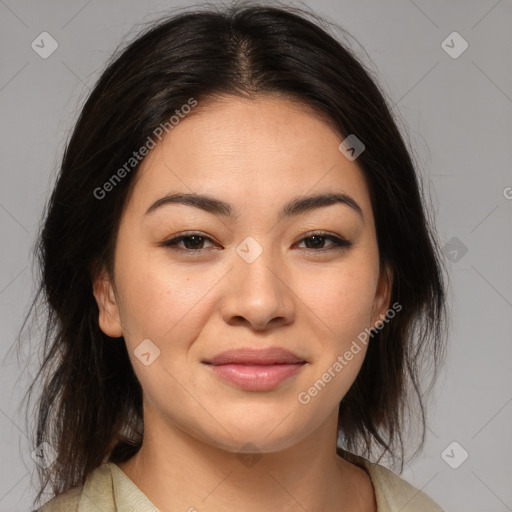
(258, 294)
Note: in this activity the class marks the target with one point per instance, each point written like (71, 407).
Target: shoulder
(393, 493)
(95, 492)
(67, 502)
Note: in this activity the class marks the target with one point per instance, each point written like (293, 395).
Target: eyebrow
(296, 206)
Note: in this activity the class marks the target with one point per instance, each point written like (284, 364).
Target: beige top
(108, 489)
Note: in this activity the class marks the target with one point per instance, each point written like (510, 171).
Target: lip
(256, 369)
(256, 356)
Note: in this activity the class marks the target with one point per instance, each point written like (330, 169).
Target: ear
(382, 296)
(109, 319)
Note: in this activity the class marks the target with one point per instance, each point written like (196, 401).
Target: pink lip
(256, 369)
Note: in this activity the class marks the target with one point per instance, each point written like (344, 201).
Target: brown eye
(316, 242)
(193, 242)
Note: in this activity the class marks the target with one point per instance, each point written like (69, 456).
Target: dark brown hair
(90, 408)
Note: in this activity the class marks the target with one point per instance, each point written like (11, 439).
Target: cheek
(341, 297)
(165, 303)
(155, 294)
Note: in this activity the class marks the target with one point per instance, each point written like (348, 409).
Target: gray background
(458, 116)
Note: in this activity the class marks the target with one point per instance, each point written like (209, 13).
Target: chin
(253, 443)
(255, 437)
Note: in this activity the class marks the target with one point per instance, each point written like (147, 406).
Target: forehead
(251, 152)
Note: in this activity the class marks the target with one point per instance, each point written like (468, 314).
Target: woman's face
(257, 279)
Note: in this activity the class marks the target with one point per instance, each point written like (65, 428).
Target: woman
(241, 279)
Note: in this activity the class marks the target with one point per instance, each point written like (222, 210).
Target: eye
(193, 242)
(317, 240)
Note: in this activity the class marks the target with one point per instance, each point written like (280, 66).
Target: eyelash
(338, 243)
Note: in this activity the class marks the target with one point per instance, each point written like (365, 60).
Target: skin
(255, 154)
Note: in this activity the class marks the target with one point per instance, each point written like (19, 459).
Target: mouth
(256, 369)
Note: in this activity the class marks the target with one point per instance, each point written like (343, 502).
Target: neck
(177, 472)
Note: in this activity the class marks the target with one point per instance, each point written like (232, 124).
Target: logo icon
(454, 45)
(454, 455)
(146, 352)
(249, 249)
(249, 455)
(352, 147)
(454, 249)
(44, 45)
(44, 455)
